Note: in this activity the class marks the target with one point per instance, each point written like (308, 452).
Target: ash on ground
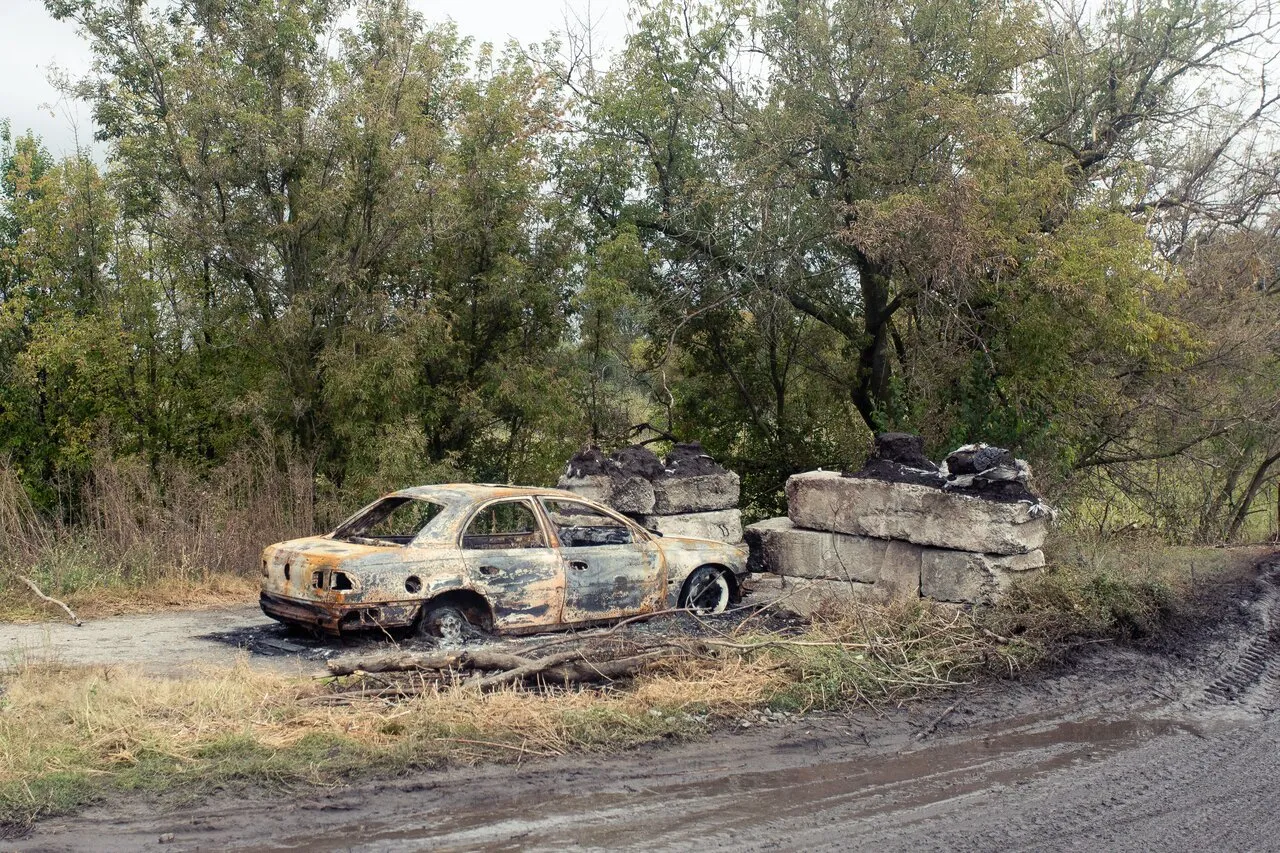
(276, 640)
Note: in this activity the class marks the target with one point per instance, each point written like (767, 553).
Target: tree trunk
(872, 394)
(1255, 485)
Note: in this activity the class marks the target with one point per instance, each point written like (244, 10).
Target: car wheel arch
(735, 592)
(477, 608)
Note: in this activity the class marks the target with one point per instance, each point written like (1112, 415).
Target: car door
(612, 569)
(511, 562)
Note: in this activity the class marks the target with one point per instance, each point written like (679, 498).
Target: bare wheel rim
(447, 625)
(708, 592)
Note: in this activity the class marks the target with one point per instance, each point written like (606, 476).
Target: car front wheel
(706, 591)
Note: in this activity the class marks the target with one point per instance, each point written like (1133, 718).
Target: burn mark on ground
(276, 640)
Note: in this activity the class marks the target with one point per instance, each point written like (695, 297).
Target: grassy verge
(96, 589)
(1106, 590)
(69, 736)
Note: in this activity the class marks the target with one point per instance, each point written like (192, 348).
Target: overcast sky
(32, 45)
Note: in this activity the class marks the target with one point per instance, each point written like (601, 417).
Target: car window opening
(580, 526)
(505, 524)
(390, 521)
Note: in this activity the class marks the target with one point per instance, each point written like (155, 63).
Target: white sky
(32, 45)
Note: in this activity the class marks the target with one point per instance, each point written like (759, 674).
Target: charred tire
(706, 591)
(447, 624)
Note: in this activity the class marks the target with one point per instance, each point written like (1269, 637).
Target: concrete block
(629, 494)
(808, 596)
(964, 576)
(778, 546)
(721, 526)
(697, 493)
(827, 501)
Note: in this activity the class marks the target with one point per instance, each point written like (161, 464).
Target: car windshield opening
(391, 521)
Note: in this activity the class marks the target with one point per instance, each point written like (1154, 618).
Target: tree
(338, 236)
(867, 166)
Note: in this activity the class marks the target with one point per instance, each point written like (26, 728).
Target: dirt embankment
(1174, 743)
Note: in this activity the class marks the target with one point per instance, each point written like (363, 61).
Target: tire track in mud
(1250, 682)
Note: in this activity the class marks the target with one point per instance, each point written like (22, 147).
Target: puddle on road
(743, 797)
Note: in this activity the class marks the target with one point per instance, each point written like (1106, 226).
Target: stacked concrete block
(900, 529)
(828, 500)
(687, 494)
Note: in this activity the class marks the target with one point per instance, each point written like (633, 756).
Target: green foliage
(773, 227)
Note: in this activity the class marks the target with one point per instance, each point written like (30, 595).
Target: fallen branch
(438, 660)
(933, 727)
(40, 595)
(609, 670)
(528, 669)
(585, 662)
(993, 636)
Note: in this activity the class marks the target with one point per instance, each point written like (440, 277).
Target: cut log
(481, 660)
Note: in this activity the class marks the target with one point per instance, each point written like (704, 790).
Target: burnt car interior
(390, 521)
(505, 524)
(579, 526)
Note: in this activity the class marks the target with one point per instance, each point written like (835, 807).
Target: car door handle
(488, 570)
(577, 565)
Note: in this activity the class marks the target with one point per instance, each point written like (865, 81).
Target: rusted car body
(506, 559)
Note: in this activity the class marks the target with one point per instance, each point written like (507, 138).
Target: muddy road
(1171, 745)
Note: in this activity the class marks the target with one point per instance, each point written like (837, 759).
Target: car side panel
(525, 586)
(611, 581)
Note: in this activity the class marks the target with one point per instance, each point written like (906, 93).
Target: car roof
(476, 492)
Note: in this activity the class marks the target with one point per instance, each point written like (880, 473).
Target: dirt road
(1173, 747)
(160, 643)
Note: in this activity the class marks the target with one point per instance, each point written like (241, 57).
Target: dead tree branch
(40, 595)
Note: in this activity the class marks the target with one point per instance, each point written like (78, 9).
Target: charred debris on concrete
(977, 470)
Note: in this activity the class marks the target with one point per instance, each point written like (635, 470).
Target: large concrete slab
(624, 493)
(722, 526)
(778, 546)
(969, 577)
(807, 597)
(897, 569)
(828, 501)
(698, 493)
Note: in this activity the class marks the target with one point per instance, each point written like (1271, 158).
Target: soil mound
(903, 448)
(588, 462)
(977, 470)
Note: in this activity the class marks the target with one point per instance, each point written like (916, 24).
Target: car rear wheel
(706, 591)
(446, 624)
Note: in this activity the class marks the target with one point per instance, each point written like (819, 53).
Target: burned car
(451, 560)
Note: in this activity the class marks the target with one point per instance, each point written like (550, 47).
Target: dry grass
(147, 539)
(1103, 590)
(71, 735)
(167, 593)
